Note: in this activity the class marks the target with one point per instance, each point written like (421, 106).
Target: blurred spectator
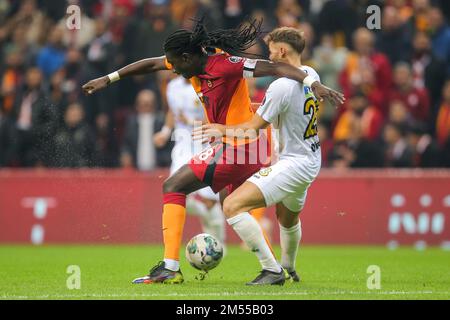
(4, 8)
(115, 10)
(393, 38)
(184, 12)
(443, 118)
(54, 10)
(404, 10)
(146, 36)
(308, 33)
(398, 113)
(100, 54)
(418, 20)
(356, 151)
(33, 19)
(329, 61)
(326, 141)
(366, 70)
(57, 96)
(106, 148)
(19, 44)
(52, 57)
(440, 35)
(99, 61)
(288, 10)
(398, 152)
(426, 150)
(35, 120)
(339, 19)
(416, 100)
(121, 10)
(138, 149)
(359, 109)
(267, 18)
(428, 72)
(11, 77)
(8, 141)
(100, 51)
(75, 142)
(74, 74)
(234, 11)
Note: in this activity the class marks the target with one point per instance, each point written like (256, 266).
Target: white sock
(289, 241)
(250, 232)
(173, 265)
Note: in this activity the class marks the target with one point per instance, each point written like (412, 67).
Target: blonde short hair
(293, 37)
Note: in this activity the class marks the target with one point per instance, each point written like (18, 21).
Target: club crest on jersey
(209, 83)
(265, 172)
(235, 59)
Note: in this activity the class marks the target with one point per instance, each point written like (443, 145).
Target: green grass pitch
(28, 272)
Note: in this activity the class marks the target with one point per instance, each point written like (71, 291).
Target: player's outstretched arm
(140, 67)
(249, 129)
(265, 68)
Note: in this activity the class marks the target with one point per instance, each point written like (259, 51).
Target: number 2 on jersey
(311, 108)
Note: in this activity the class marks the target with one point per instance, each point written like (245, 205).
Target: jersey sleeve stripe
(249, 68)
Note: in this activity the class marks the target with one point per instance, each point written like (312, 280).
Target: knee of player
(170, 186)
(287, 219)
(230, 207)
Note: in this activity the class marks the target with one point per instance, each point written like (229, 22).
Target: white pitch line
(221, 294)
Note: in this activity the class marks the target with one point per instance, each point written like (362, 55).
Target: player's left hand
(160, 139)
(208, 132)
(323, 92)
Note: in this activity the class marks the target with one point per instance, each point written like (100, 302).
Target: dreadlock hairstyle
(233, 41)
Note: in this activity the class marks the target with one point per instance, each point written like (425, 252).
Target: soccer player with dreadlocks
(219, 80)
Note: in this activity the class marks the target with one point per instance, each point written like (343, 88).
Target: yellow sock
(258, 214)
(174, 216)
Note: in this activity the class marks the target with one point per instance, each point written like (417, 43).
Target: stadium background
(68, 168)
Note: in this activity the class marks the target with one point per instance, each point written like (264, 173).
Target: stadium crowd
(396, 78)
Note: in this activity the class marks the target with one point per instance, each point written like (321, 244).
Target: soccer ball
(204, 252)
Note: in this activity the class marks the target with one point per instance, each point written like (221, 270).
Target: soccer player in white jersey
(185, 109)
(291, 108)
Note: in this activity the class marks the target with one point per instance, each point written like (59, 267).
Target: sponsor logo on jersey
(308, 91)
(265, 172)
(235, 59)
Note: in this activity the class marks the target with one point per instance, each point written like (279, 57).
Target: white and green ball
(204, 252)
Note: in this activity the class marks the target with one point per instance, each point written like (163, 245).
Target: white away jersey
(292, 109)
(183, 101)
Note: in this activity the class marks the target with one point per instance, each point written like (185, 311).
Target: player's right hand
(323, 92)
(95, 85)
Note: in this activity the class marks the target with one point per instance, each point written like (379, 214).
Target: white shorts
(287, 181)
(181, 154)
